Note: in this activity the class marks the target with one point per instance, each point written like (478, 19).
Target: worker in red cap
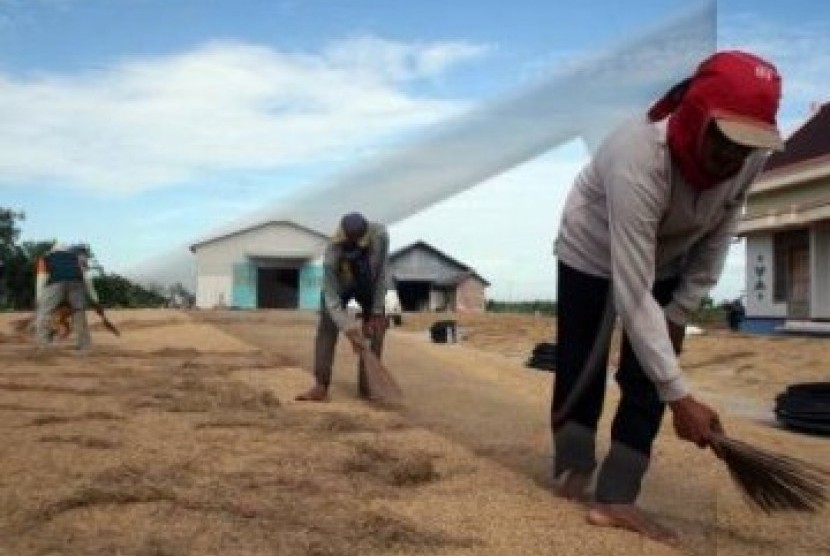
(355, 267)
(643, 238)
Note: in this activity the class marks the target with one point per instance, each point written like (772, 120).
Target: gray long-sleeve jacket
(631, 217)
(336, 282)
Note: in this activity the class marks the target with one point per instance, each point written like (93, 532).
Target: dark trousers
(581, 300)
(326, 341)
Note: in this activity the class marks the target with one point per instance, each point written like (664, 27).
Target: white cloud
(150, 122)
(378, 58)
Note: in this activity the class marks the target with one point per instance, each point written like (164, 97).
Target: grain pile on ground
(182, 438)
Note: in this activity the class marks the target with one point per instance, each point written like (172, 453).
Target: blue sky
(141, 125)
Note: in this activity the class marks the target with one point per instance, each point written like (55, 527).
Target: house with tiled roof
(786, 225)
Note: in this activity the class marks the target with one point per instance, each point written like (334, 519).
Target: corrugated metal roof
(464, 270)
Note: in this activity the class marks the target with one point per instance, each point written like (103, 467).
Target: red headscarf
(730, 86)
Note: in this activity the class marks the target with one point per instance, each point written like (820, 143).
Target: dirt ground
(181, 437)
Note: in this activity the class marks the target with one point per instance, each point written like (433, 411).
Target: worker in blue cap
(355, 267)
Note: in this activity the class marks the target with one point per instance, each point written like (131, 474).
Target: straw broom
(382, 386)
(772, 482)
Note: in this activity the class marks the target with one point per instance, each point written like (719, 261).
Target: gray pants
(73, 293)
(324, 344)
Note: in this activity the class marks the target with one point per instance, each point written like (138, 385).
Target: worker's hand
(374, 326)
(695, 421)
(356, 337)
(677, 332)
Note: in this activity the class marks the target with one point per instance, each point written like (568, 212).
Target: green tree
(16, 268)
(117, 291)
(9, 231)
(542, 307)
(20, 274)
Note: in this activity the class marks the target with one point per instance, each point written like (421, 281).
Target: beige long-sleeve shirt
(632, 218)
(335, 282)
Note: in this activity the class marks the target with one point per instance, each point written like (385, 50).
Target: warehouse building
(274, 265)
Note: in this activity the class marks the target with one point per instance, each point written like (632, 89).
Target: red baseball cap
(741, 92)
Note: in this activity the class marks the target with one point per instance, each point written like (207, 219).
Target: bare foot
(317, 393)
(629, 516)
(574, 486)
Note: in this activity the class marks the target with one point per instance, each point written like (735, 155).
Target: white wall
(215, 260)
(820, 273)
(760, 273)
(213, 291)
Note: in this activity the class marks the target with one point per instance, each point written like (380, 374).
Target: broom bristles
(382, 386)
(773, 482)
